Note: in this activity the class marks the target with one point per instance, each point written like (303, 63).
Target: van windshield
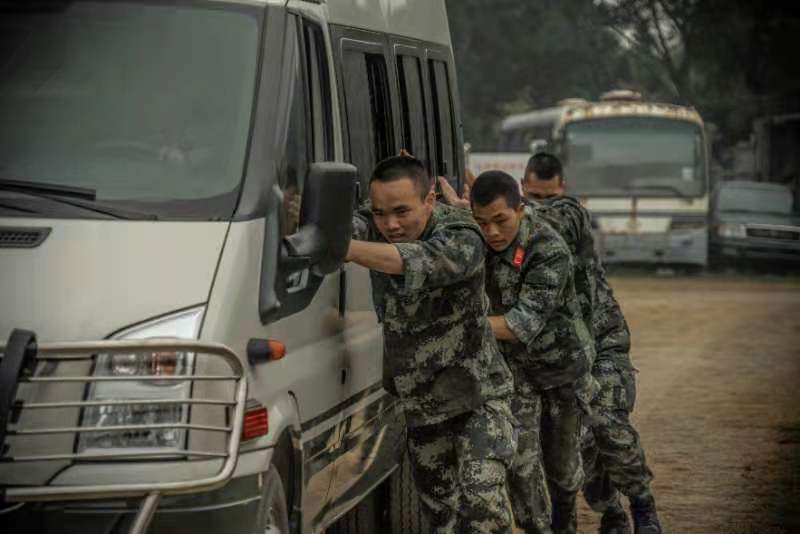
(635, 156)
(148, 104)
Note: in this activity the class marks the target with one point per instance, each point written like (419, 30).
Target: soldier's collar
(426, 233)
(516, 253)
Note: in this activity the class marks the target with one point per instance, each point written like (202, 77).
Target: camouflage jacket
(599, 308)
(440, 357)
(531, 284)
(573, 222)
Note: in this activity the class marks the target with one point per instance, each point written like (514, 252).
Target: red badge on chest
(519, 256)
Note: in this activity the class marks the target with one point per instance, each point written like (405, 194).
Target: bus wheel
(273, 516)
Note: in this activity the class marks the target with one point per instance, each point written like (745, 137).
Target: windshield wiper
(5, 206)
(668, 187)
(24, 186)
(78, 197)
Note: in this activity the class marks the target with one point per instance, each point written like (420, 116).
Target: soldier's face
(499, 222)
(542, 190)
(399, 212)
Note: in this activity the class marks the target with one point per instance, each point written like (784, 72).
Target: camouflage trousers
(562, 421)
(527, 483)
(460, 470)
(613, 458)
(547, 473)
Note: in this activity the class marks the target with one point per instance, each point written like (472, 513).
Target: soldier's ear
(430, 198)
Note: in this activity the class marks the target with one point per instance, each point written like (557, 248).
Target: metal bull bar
(20, 358)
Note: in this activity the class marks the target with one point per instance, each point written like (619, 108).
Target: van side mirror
(321, 242)
(293, 267)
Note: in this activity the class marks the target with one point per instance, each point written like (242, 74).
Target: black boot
(645, 519)
(565, 515)
(615, 521)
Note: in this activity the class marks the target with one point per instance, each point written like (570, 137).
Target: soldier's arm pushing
(449, 256)
(381, 257)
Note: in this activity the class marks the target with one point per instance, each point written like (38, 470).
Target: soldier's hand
(470, 180)
(450, 196)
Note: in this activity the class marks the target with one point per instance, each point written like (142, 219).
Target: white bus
(640, 167)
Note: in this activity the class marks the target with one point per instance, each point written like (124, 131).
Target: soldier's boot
(615, 521)
(645, 519)
(565, 515)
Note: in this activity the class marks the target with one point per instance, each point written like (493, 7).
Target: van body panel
(108, 274)
(87, 280)
(311, 371)
(372, 427)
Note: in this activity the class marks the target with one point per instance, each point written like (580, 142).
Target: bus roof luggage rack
(621, 95)
(21, 358)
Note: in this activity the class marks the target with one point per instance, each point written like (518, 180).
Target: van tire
(405, 508)
(273, 513)
(363, 519)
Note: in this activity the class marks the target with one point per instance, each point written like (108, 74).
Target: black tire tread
(405, 509)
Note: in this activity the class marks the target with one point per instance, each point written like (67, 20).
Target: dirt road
(719, 400)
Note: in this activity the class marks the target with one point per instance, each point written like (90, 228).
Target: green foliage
(731, 59)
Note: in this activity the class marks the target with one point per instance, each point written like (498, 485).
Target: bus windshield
(639, 156)
(148, 104)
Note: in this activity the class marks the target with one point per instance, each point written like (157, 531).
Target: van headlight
(185, 325)
(732, 230)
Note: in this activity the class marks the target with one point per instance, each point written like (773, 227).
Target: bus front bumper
(676, 247)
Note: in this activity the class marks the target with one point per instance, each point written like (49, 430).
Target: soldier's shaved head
(402, 167)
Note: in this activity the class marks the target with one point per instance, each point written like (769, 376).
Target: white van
(186, 351)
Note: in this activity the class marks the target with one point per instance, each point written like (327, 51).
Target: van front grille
(22, 237)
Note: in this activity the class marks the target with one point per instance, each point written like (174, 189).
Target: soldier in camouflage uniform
(613, 458)
(440, 358)
(536, 317)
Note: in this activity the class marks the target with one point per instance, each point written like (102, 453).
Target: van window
(412, 102)
(295, 162)
(309, 136)
(443, 121)
(370, 127)
(319, 94)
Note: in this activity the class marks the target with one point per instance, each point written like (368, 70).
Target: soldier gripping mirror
(440, 357)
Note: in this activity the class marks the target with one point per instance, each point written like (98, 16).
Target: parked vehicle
(754, 222)
(640, 167)
(178, 180)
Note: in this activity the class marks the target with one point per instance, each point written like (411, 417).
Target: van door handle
(343, 375)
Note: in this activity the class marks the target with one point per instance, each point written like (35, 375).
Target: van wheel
(405, 509)
(363, 519)
(273, 516)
